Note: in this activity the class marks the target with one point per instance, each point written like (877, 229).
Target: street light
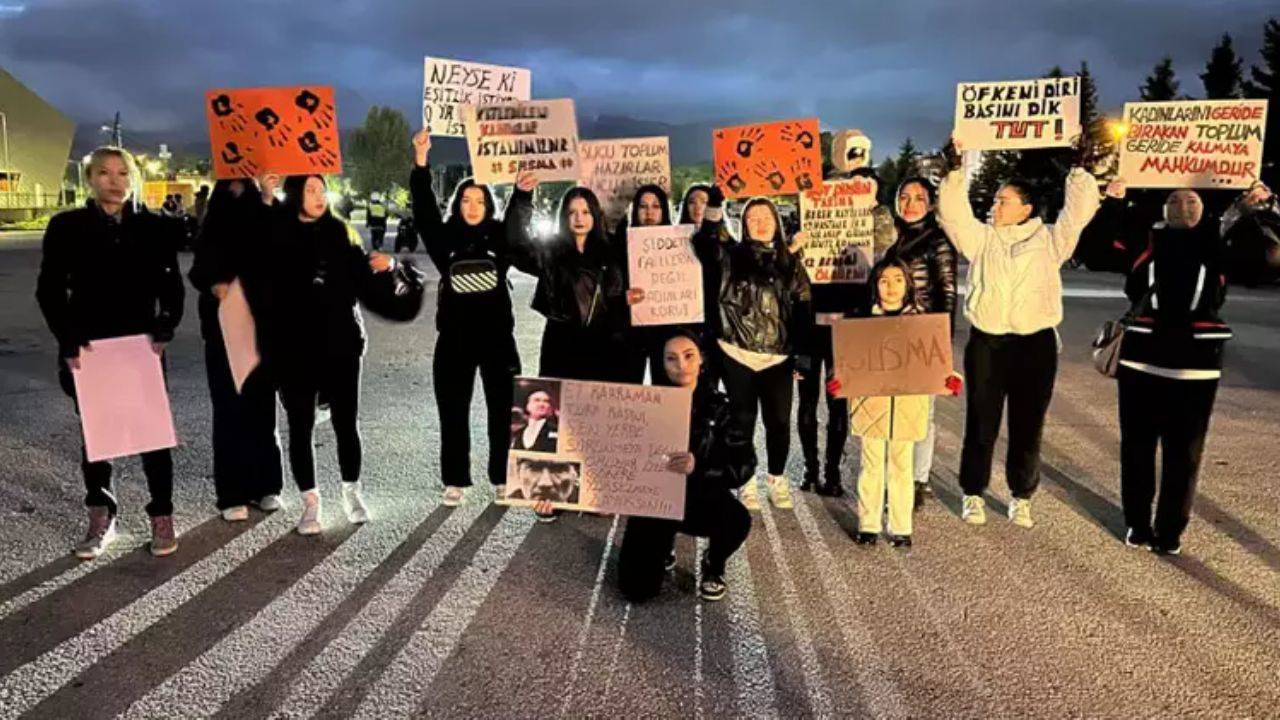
(8, 168)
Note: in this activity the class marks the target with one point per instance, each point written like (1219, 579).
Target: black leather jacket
(765, 304)
(722, 455)
(925, 249)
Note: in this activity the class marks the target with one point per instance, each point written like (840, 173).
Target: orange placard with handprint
(285, 130)
(777, 158)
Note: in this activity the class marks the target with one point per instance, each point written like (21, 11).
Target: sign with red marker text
(661, 262)
(839, 222)
(1193, 143)
(614, 169)
(284, 130)
(1018, 114)
(600, 447)
(447, 85)
(886, 356)
(777, 158)
(540, 136)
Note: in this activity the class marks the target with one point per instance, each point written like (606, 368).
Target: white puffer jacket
(1015, 271)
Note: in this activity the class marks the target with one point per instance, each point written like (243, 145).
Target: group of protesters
(110, 269)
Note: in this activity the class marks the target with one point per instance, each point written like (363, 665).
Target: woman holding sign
(311, 333)
(474, 320)
(247, 464)
(650, 207)
(1014, 303)
(108, 270)
(763, 302)
(1171, 351)
(718, 461)
(924, 248)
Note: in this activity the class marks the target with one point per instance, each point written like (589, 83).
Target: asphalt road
(479, 612)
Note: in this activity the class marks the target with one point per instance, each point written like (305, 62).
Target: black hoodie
(232, 230)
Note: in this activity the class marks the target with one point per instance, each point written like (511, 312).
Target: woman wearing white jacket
(1014, 304)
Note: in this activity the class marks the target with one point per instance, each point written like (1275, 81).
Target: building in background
(35, 144)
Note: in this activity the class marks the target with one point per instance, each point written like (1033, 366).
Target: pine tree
(376, 151)
(1161, 84)
(1265, 85)
(996, 168)
(1222, 76)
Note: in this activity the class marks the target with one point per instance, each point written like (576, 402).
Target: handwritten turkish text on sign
(540, 136)
(614, 169)
(661, 262)
(1018, 114)
(614, 442)
(838, 220)
(1195, 143)
(885, 356)
(447, 85)
(778, 158)
(284, 130)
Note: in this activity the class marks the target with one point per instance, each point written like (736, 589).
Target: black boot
(810, 483)
(832, 487)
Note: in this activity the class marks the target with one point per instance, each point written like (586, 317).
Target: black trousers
(574, 353)
(247, 463)
(376, 234)
(812, 386)
(770, 392)
(458, 356)
(157, 466)
(1019, 369)
(710, 512)
(1174, 414)
(339, 379)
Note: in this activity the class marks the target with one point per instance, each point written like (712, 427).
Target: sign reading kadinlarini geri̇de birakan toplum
(1018, 114)
(1193, 143)
(540, 136)
(447, 85)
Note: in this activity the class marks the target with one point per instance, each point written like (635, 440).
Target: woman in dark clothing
(110, 269)
(650, 207)
(924, 248)
(718, 461)
(581, 287)
(311, 333)
(474, 320)
(247, 464)
(765, 321)
(1171, 354)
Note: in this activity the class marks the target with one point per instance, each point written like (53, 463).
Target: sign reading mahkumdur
(1193, 143)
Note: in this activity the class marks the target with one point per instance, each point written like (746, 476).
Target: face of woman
(683, 361)
(1009, 209)
(697, 204)
(649, 210)
(110, 181)
(913, 203)
(761, 225)
(580, 221)
(1183, 209)
(314, 201)
(892, 288)
(473, 206)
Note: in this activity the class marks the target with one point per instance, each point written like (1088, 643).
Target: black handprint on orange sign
(797, 134)
(232, 156)
(732, 180)
(318, 155)
(230, 114)
(747, 140)
(802, 171)
(772, 174)
(321, 113)
(277, 131)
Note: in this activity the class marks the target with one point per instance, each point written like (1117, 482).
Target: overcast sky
(889, 68)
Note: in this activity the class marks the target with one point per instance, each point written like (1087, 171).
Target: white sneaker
(974, 510)
(236, 513)
(269, 503)
(452, 496)
(1020, 513)
(353, 503)
(750, 495)
(780, 491)
(309, 523)
(101, 533)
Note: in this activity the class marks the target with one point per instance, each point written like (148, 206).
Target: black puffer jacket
(763, 292)
(925, 249)
(100, 278)
(586, 289)
(473, 262)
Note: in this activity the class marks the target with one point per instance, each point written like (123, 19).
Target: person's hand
(680, 462)
(1116, 189)
(635, 296)
(380, 262)
(543, 507)
(798, 242)
(158, 347)
(526, 181)
(715, 197)
(73, 362)
(1257, 194)
(421, 147)
(833, 386)
(219, 291)
(267, 184)
(955, 384)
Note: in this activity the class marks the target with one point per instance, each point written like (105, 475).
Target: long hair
(681, 332)
(598, 238)
(455, 203)
(295, 190)
(909, 298)
(930, 192)
(100, 155)
(663, 200)
(685, 218)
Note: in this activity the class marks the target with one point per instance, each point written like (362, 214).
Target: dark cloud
(889, 68)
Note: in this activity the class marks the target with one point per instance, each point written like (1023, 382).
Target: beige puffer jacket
(901, 417)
